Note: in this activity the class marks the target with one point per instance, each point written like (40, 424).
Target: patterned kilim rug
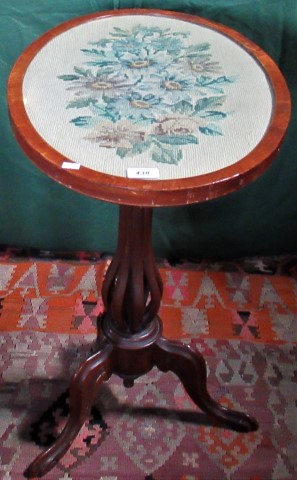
(243, 323)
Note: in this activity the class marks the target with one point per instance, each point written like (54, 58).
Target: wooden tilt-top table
(145, 108)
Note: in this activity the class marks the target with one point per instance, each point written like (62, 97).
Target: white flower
(123, 134)
(177, 126)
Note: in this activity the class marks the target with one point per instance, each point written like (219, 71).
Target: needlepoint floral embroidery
(148, 89)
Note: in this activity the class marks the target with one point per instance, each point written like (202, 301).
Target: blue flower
(100, 85)
(198, 64)
(144, 101)
(146, 59)
(128, 44)
(173, 82)
(140, 107)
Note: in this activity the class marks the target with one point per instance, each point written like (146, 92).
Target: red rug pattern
(243, 323)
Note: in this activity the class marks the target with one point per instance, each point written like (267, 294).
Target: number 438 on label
(144, 173)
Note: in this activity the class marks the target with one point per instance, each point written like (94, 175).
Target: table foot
(190, 367)
(130, 360)
(85, 383)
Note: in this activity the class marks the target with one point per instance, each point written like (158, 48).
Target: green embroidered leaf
(214, 84)
(137, 149)
(100, 63)
(204, 103)
(176, 139)
(107, 71)
(140, 147)
(148, 97)
(166, 155)
(104, 42)
(121, 30)
(68, 78)
(82, 121)
(214, 114)
(182, 107)
(122, 152)
(107, 111)
(91, 51)
(108, 99)
(119, 33)
(82, 71)
(81, 103)
(212, 130)
(224, 79)
(112, 114)
(205, 81)
(199, 47)
(144, 119)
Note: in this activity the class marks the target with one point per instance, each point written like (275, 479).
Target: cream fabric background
(249, 101)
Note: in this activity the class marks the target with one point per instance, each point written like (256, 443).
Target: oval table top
(148, 107)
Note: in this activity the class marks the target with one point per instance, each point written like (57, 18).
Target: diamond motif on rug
(228, 449)
(34, 313)
(236, 367)
(238, 287)
(86, 315)
(194, 321)
(149, 441)
(245, 325)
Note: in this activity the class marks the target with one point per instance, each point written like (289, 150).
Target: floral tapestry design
(147, 88)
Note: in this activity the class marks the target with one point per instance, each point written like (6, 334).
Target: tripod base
(131, 357)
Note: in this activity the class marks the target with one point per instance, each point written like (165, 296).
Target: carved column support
(132, 289)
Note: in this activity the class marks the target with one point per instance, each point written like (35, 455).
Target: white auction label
(145, 173)
(71, 165)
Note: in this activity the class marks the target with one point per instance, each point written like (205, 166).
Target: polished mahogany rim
(151, 192)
